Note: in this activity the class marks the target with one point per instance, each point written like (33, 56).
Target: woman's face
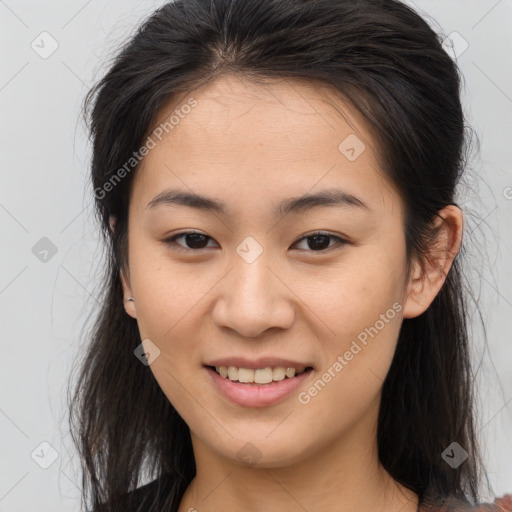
(256, 290)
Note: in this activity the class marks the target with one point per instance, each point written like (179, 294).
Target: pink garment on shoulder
(503, 504)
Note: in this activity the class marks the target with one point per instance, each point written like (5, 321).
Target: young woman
(284, 324)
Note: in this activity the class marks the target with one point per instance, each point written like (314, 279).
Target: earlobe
(414, 304)
(128, 302)
(426, 281)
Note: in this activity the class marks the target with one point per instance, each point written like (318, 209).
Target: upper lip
(261, 362)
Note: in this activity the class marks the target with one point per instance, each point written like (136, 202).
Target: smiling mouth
(258, 376)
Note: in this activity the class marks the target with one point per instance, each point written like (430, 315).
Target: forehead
(268, 141)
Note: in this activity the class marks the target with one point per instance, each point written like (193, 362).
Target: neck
(345, 475)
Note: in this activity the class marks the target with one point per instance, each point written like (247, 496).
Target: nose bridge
(252, 298)
(253, 281)
(251, 272)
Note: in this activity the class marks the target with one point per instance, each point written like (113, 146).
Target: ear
(129, 305)
(426, 280)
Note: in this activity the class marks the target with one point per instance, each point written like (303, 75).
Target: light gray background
(44, 192)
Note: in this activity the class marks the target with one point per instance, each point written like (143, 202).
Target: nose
(253, 298)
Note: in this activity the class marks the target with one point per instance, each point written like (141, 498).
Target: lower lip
(257, 395)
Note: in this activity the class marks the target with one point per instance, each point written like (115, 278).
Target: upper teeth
(260, 376)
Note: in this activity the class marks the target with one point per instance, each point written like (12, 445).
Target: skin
(253, 146)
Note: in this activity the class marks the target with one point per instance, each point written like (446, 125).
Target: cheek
(167, 292)
(356, 354)
(359, 307)
(351, 296)
(173, 306)
(355, 362)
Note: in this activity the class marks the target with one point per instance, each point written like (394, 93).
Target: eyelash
(172, 241)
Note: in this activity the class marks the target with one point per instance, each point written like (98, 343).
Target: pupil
(194, 244)
(316, 245)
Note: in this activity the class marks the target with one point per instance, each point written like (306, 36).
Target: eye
(195, 240)
(318, 241)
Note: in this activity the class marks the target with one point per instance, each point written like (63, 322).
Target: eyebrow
(324, 198)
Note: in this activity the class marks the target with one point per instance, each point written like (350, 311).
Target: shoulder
(503, 504)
